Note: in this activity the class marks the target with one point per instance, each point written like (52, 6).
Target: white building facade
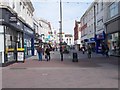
(100, 25)
(100, 18)
(45, 31)
(69, 39)
(88, 27)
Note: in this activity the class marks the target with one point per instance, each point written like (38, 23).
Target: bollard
(75, 57)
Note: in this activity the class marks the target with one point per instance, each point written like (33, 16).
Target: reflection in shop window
(113, 9)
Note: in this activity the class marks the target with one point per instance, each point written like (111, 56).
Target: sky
(71, 10)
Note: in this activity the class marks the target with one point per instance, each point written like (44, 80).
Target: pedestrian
(89, 51)
(103, 49)
(43, 50)
(106, 50)
(115, 49)
(56, 48)
(61, 53)
(83, 50)
(47, 56)
(39, 50)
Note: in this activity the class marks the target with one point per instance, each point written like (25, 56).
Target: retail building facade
(12, 35)
(15, 32)
(113, 27)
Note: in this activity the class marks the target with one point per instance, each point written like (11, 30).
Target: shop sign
(86, 40)
(83, 27)
(10, 56)
(20, 56)
(68, 35)
(92, 39)
(1, 29)
(46, 39)
(2, 20)
(100, 36)
(28, 30)
(48, 36)
(13, 18)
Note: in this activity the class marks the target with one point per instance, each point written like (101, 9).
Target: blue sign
(92, 39)
(100, 36)
(86, 40)
(49, 37)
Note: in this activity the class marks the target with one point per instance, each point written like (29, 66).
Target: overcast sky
(71, 11)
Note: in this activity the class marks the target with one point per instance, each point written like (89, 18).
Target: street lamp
(60, 22)
(61, 50)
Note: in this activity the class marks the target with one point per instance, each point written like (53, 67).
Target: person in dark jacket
(83, 50)
(47, 56)
(61, 53)
(106, 50)
(89, 51)
(103, 49)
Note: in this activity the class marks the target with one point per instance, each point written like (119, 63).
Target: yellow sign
(9, 50)
(20, 49)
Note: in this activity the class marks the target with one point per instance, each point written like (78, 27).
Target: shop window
(101, 5)
(97, 8)
(10, 38)
(13, 5)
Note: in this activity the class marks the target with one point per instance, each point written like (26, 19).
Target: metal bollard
(75, 57)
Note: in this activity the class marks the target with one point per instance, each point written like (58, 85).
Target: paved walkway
(97, 72)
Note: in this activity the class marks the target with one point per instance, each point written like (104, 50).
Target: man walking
(61, 53)
(39, 50)
(89, 51)
(106, 50)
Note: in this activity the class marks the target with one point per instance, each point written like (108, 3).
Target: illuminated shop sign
(28, 30)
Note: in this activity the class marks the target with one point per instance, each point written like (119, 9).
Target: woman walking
(47, 51)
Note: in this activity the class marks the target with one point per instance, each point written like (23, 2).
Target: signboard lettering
(13, 18)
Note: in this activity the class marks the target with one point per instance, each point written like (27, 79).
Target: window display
(13, 40)
(114, 43)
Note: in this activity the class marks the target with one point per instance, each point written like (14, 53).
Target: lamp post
(61, 50)
(60, 22)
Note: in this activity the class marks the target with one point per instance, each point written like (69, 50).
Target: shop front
(113, 35)
(99, 39)
(11, 36)
(114, 43)
(78, 45)
(91, 42)
(28, 41)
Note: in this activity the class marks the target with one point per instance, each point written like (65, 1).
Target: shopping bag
(45, 56)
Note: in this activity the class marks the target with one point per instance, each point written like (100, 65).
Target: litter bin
(75, 57)
(20, 55)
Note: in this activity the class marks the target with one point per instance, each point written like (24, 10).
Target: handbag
(45, 56)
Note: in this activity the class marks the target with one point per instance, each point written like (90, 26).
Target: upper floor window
(102, 5)
(113, 9)
(97, 8)
(13, 5)
(23, 7)
(70, 41)
(83, 21)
